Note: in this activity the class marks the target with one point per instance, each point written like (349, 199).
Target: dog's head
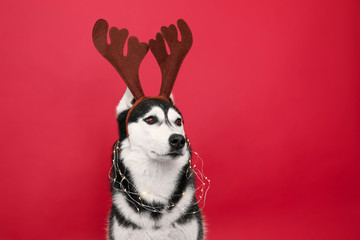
(155, 128)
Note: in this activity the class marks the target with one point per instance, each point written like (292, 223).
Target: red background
(269, 92)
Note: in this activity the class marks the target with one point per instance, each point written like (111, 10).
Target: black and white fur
(157, 173)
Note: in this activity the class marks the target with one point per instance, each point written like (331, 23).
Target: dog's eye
(150, 120)
(178, 122)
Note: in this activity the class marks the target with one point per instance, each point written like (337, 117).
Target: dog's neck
(156, 181)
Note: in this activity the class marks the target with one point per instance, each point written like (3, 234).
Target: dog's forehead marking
(173, 114)
(156, 111)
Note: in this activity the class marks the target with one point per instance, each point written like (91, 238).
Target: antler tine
(127, 66)
(170, 63)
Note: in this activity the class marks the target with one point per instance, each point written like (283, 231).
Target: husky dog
(155, 161)
(153, 188)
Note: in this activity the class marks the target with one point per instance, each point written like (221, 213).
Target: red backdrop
(269, 92)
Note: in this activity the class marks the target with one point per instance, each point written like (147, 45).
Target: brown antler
(170, 64)
(127, 66)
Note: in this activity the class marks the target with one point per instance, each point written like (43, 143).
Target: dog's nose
(177, 141)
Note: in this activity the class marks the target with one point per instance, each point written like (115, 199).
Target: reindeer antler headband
(128, 66)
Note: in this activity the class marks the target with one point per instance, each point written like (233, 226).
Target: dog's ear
(125, 103)
(172, 100)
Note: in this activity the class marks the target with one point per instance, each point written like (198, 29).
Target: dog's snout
(177, 141)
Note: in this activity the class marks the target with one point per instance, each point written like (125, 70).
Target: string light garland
(200, 191)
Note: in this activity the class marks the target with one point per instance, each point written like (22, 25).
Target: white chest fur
(155, 182)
